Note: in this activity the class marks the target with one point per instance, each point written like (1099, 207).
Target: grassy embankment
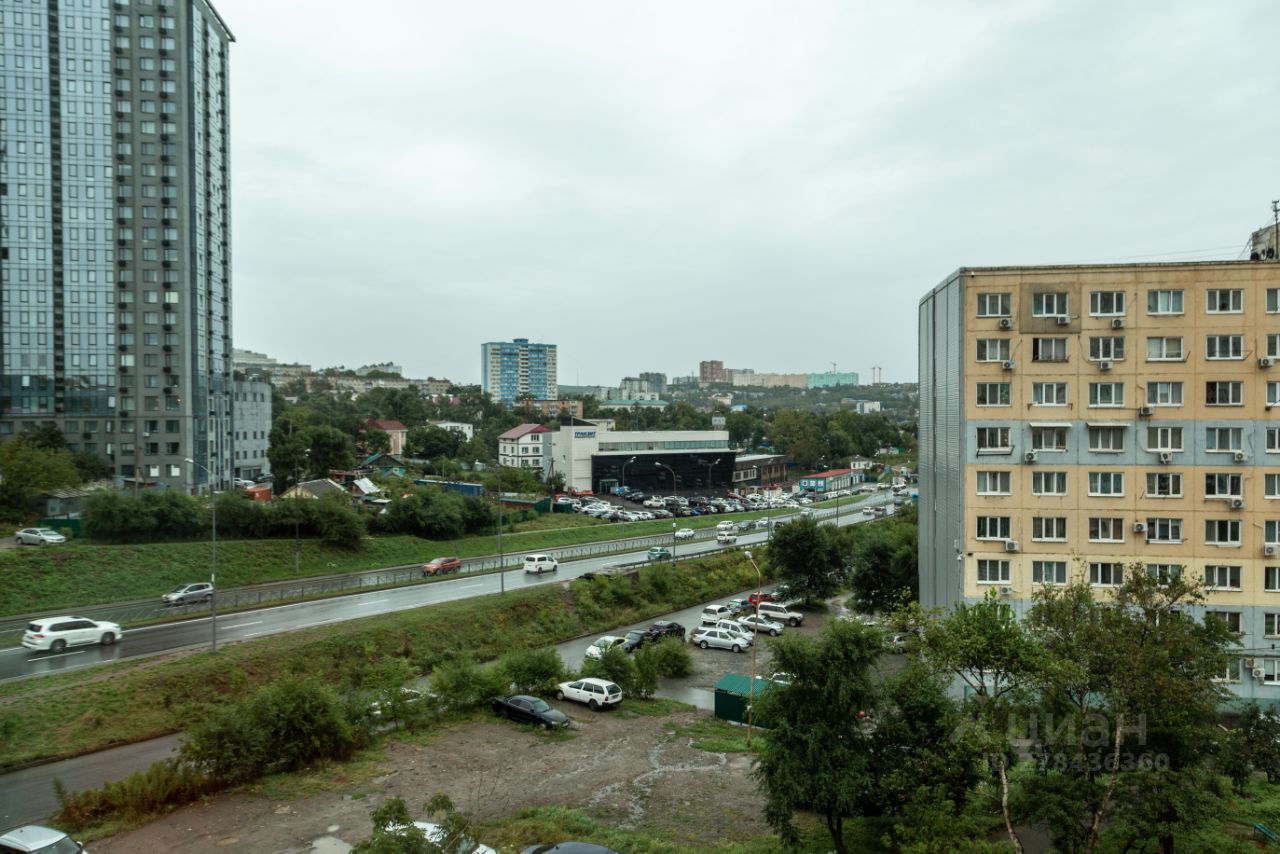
(87, 710)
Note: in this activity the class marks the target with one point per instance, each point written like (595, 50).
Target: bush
(463, 684)
(533, 671)
(645, 666)
(165, 785)
(616, 666)
(672, 657)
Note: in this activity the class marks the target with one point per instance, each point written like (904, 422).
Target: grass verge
(716, 736)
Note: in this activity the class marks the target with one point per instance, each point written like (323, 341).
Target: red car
(441, 565)
(758, 597)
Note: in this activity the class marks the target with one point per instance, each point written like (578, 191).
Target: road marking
(242, 625)
(375, 602)
(61, 655)
(469, 586)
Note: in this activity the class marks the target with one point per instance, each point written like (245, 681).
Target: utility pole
(1275, 233)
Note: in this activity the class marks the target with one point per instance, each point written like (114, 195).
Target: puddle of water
(329, 845)
(699, 697)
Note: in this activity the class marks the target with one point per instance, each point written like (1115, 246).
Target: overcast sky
(774, 185)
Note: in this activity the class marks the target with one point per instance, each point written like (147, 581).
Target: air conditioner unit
(1249, 662)
(1166, 456)
(1259, 673)
(1117, 323)
(1145, 411)
(1240, 456)
(1063, 320)
(1006, 591)
(1011, 545)
(1008, 364)
(1269, 550)
(1029, 457)
(1237, 504)
(1006, 323)
(1139, 527)
(1105, 365)
(1265, 362)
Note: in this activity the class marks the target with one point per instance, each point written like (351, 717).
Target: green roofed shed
(732, 694)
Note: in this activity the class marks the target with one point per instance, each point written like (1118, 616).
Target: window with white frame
(1223, 439)
(1273, 440)
(1271, 486)
(1049, 394)
(993, 483)
(1222, 532)
(1164, 438)
(1221, 485)
(993, 394)
(1103, 574)
(1230, 671)
(1230, 618)
(1224, 347)
(1224, 393)
(1164, 485)
(1048, 572)
(1224, 301)
(1270, 668)
(1106, 529)
(1164, 394)
(1048, 349)
(993, 440)
(1222, 577)
(1273, 300)
(993, 528)
(1109, 347)
(1164, 529)
(1273, 393)
(1049, 483)
(1164, 348)
(1049, 438)
(1164, 572)
(993, 349)
(1049, 305)
(1273, 346)
(1106, 394)
(993, 305)
(1106, 439)
(1271, 579)
(993, 572)
(1164, 302)
(1271, 620)
(1051, 528)
(1271, 532)
(1106, 303)
(1106, 483)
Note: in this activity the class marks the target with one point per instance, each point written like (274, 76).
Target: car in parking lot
(524, 709)
(780, 613)
(738, 606)
(634, 639)
(761, 624)
(665, 628)
(659, 553)
(185, 594)
(602, 645)
(39, 537)
(759, 596)
(596, 693)
(684, 534)
(708, 636)
(37, 839)
(57, 633)
(441, 566)
(568, 847)
(714, 613)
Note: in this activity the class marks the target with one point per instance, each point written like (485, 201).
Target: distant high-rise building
(712, 371)
(657, 381)
(115, 270)
(511, 369)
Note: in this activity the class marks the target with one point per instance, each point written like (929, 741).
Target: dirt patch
(631, 772)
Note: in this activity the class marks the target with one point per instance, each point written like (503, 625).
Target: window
(1106, 483)
(1224, 393)
(1049, 305)
(1270, 669)
(993, 394)
(1273, 300)
(1106, 303)
(1271, 486)
(1164, 394)
(1106, 529)
(991, 439)
(993, 527)
(993, 305)
(1273, 346)
(1164, 530)
(1049, 438)
(1225, 347)
(1048, 349)
(1164, 438)
(1049, 572)
(1273, 440)
(1271, 579)
(1164, 302)
(993, 572)
(1106, 574)
(1271, 621)
(1222, 485)
(993, 483)
(1049, 394)
(1273, 393)
(1049, 483)
(1223, 439)
(1222, 532)
(1106, 394)
(1221, 577)
(1106, 439)
(1048, 527)
(1164, 572)
(1110, 347)
(1224, 301)
(993, 349)
(1162, 485)
(1231, 618)
(1167, 348)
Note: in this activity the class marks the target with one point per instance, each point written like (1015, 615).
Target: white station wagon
(596, 693)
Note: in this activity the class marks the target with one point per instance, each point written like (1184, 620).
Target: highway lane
(18, 662)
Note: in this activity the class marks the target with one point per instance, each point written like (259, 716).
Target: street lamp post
(751, 693)
(710, 466)
(297, 538)
(213, 575)
(673, 542)
(672, 473)
(502, 575)
(624, 470)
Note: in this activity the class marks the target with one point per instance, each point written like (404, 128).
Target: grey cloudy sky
(770, 184)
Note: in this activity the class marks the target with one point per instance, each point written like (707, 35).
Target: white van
(727, 526)
(538, 564)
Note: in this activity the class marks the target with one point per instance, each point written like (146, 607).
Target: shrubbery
(436, 515)
(533, 671)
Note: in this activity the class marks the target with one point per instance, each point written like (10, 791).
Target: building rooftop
(524, 430)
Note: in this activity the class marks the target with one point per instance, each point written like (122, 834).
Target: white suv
(39, 840)
(780, 614)
(58, 633)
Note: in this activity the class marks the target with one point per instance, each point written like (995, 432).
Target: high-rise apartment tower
(511, 369)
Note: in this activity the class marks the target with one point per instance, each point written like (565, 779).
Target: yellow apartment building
(1078, 420)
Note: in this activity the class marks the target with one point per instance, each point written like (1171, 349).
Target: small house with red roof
(526, 446)
(829, 481)
(395, 431)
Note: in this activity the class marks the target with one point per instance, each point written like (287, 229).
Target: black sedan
(664, 628)
(634, 640)
(569, 848)
(524, 709)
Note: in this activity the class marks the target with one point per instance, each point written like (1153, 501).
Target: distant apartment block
(862, 407)
(833, 378)
(466, 430)
(712, 372)
(251, 412)
(512, 369)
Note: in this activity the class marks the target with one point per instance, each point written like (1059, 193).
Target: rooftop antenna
(1275, 234)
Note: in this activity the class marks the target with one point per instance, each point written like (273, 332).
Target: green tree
(431, 442)
(27, 470)
(394, 831)
(808, 557)
(330, 450)
(818, 757)
(90, 466)
(884, 561)
(46, 437)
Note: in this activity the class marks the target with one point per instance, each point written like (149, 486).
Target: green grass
(89, 709)
(651, 707)
(716, 736)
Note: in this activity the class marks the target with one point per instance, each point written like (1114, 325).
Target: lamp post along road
(297, 540)
(502, 576)
(624, 470)
(751, 692)
(213, 575)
